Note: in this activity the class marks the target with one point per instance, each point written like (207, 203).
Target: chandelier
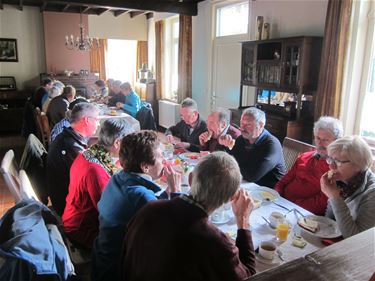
(82, 42)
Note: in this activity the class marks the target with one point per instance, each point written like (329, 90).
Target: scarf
(347, 189)
(98, 155)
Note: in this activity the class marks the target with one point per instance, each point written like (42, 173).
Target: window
(121, 60)
(367, 125)
(232, 19)
(171, 58)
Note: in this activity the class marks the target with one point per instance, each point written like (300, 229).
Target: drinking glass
(282, 230)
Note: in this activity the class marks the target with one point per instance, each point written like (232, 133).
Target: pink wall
(58, 57)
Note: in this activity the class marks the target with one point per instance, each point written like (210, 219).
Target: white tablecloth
(134, 123)
(262, 232)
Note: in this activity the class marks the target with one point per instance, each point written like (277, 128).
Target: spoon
(280, 254)
(267, 221)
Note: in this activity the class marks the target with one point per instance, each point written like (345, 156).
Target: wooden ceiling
(117, 7)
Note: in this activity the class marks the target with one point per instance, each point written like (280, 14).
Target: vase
(258, 34)
(266, 31)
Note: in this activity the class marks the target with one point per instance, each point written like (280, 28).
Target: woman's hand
(242, 206)
(329, 187)
(173, 179)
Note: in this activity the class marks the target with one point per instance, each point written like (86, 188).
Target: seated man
(89, 174)
(218, 125)
(301, 184)
(189, 128)
(41, 94)
(258, 153)
(131, 102)
(101, 91)
(185, 245)
(65, 148)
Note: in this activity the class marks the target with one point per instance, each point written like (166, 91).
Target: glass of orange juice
(282, 230)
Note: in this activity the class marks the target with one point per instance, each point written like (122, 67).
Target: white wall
(27, 27)
(287, 18)
(121, 27)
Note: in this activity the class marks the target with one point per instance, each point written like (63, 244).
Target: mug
(267, 250)
(275, 217)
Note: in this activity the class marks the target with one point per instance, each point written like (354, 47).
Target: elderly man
(41, 94)
(115, 95)
(258, 153)
(131, 102)
(218, 125)
(65, 148)
(301, 184)
(185, 245)
(189, 128)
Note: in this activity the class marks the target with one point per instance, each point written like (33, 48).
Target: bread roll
(330, 174)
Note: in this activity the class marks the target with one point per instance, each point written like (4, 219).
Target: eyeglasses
(337, 162)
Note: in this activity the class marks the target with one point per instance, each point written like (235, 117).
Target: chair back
(9, 171)
(292, 148)
(43, 129)
(26, 190)
(33, 161)
(146, 118)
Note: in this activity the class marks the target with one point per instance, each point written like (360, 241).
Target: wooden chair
(26, 189)
(292, 148)
(9, 170)
(43, 129)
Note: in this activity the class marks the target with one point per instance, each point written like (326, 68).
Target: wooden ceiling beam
(43, 7)
(133, 14)
(86, 9)
(20, 7)
(116, 13)
(101, 11)
(149, 15)
(66, 7)
(1, 5)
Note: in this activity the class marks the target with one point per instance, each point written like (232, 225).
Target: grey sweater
(357, 212)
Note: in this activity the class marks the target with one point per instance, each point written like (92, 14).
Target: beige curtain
(97, 59)
(159, 58)
(335, 42)
(184, 58)
(142, 55)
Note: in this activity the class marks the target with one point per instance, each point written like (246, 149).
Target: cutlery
(302, 215)
(281, 206)
(280, 254)
(267, 221)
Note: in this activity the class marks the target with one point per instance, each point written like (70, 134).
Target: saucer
(275, 261)
(226, 218)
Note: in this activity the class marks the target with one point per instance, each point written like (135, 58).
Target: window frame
(226, 4)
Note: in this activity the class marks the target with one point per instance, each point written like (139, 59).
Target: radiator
(169, 113)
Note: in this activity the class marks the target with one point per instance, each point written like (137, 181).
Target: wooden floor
(7, 142)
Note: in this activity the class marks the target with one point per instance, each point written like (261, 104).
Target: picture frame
(8, 50)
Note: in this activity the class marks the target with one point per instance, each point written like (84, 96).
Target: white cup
(275, 218)
(267, 250)
(218, 215)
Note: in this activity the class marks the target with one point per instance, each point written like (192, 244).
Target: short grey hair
(117, 83)
(126, 86)
(257, 114)
(82, 109)
(188, 102)
(59, 84)
(54, 92)
(112, 129)
(331, 124)
(223, 114)
(216, 179)
(355, 149)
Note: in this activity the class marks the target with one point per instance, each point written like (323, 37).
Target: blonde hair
(355, 149)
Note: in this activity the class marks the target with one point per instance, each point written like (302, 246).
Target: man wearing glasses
(301, 184)
(65, 148)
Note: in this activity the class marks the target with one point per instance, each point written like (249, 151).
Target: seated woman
(350, 185)
(301, 184)
(60, 105)
(126, 193)
(89, 174)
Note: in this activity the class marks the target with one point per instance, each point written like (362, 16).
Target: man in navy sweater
(258, 153)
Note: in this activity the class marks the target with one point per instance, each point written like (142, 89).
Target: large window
(121, 60)
(171, 58)
(232, 19)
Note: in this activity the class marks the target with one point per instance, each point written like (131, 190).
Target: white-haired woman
(350, 185)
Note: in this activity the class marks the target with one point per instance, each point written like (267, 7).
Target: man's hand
(173, 179)
(204, 137)
(225, 140)
(170, 139)
(242, 206)
(119, 105)
(184, 145)
(329, 187)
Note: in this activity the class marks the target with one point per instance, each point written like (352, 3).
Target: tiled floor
(7, 142)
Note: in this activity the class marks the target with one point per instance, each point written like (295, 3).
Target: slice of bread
(232, 143)
(308, 224)
(330, 174)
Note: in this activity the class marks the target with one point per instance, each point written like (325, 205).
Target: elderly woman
(89, 175)
(301, 184)
(185, 245)
(126, 193)
(350, 185)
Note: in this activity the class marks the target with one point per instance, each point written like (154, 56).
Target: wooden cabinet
(285, 73)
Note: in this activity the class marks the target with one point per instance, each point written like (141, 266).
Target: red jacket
(80, 218)
(301, 184)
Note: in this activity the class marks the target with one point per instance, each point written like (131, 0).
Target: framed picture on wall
(8, 50)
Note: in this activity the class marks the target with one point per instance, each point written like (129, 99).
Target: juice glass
(282, 230)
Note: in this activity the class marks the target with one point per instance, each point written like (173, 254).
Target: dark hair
(100, 83)
(138, 148)
(46, 81)
(69, 92)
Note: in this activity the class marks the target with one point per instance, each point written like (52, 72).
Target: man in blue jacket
(132, 102)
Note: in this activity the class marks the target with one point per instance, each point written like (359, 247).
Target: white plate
(262, 192)
(327, 228)
(226, 218)
(186, 157)
(275, 261)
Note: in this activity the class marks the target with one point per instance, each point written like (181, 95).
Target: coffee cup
(275, 218)
(267, 250)
(218, 215)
